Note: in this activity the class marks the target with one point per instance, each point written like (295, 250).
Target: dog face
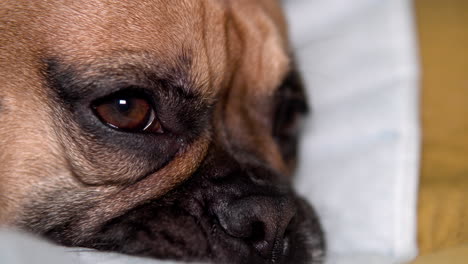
(156, 128)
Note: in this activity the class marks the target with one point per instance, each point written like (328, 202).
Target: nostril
(261, 221)
(269, 243)
(258, 232)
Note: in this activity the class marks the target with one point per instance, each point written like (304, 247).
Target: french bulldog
(158, 128)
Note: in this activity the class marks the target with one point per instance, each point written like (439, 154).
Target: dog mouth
(187, 231)
(183, 226)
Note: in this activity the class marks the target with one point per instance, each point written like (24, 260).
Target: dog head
(156, 128)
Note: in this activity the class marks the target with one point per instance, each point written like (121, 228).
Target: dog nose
(259, 220)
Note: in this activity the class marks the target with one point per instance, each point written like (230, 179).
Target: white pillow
(360, 152)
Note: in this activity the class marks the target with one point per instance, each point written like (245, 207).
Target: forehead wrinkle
(265, 60)
(210, 60)
(173, 29)
(88, 28)
(164, 29)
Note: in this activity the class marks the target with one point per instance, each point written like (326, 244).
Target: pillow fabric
(360, 152)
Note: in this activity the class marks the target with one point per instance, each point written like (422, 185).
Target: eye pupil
(124, 106)
(127, 112)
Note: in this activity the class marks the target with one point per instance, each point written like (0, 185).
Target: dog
(165, 129)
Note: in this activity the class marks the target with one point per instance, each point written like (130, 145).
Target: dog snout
(250, 208)
(260, 221)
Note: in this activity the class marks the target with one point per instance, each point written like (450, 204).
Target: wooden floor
(443, 201)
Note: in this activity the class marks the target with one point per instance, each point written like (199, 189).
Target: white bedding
(360, 151)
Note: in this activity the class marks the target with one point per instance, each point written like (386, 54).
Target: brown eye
(127, 112)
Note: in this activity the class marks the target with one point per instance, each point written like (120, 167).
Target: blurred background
(443, 193)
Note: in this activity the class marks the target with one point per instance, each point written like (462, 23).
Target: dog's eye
(128, 112)
(289, 111)
(290, 107)
(288, 118)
